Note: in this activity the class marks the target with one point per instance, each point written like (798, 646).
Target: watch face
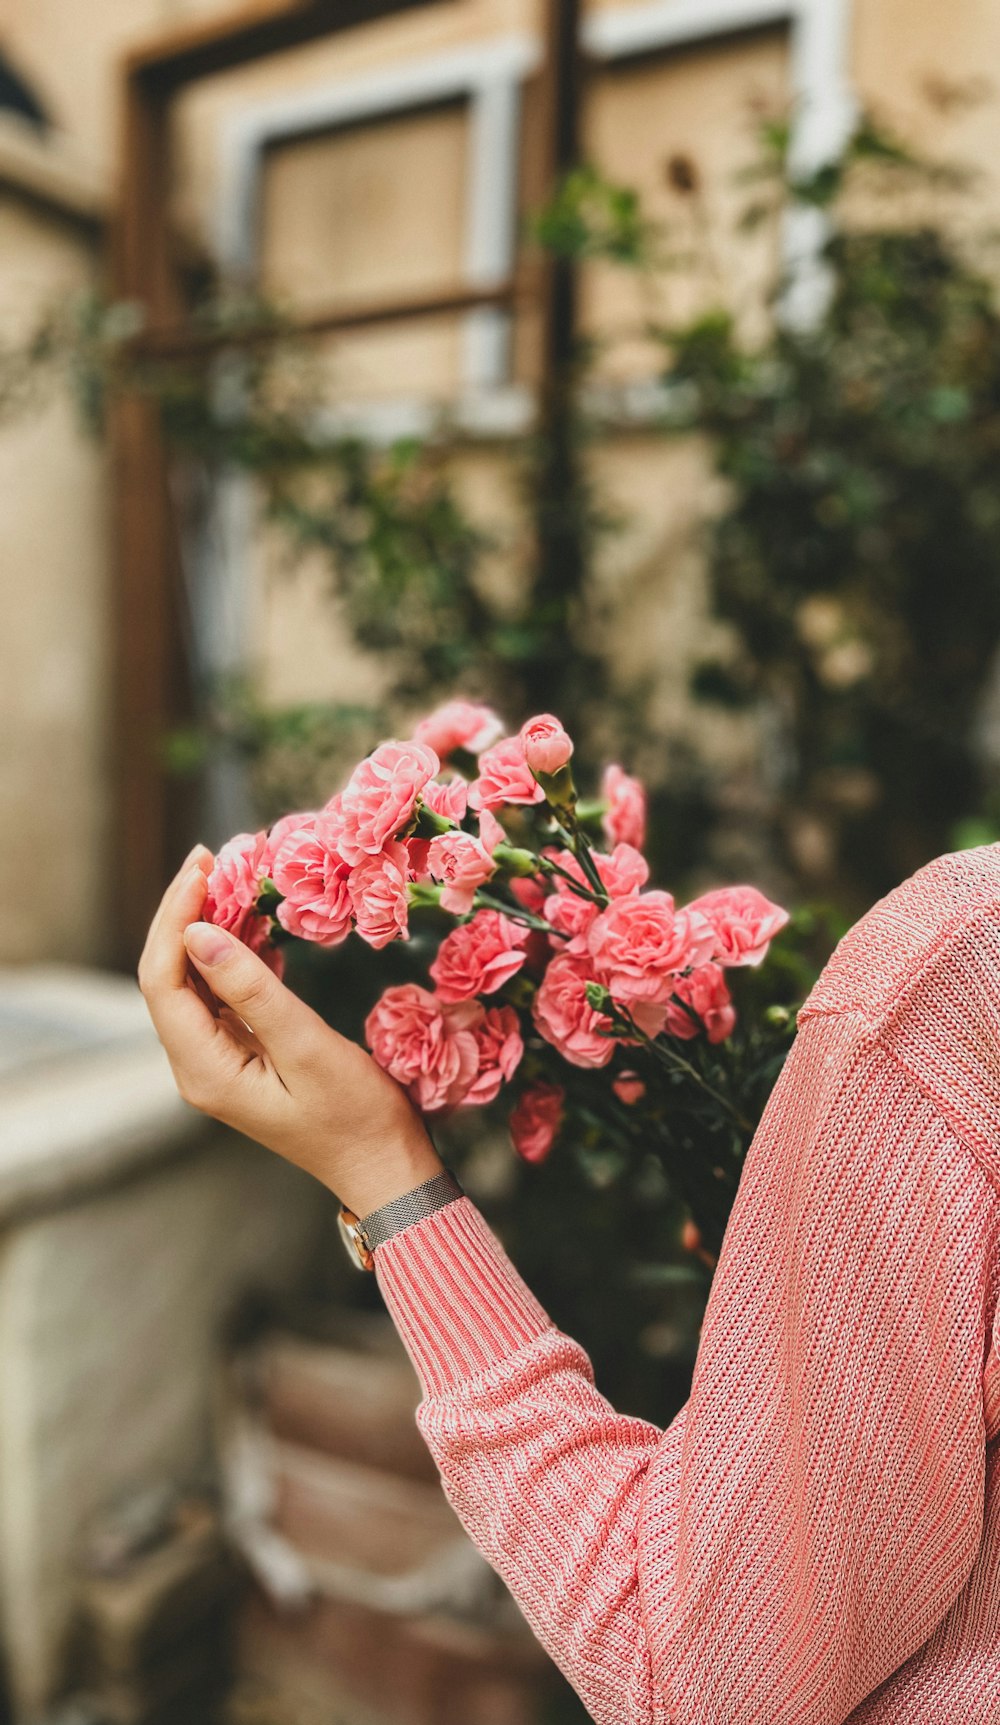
(357, 1251)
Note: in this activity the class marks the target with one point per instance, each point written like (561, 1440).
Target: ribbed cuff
(456, 1299)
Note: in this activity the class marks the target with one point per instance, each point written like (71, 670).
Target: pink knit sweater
(816, 1536)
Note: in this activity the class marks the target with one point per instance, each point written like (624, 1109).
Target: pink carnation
(426, 1046)
(625, 871)
(565, 1017)
(650, 1016)
(504, 777)
(547, 747)
(639, 944)
(535, 1122)
(378, 893)
(624, 819)
(707, 991)
(279, 832)
(448, 798)
(745, 922)
(234, 882)
(308, 869)
(459, 725)
(529, 892)
(621, 874)
(417, 852)
(380, 797)
(570, 916)
(498, 1037)
(479, 956)
(463, 864)
(491, 833)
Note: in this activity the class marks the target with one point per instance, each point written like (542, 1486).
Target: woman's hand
(246, 1050)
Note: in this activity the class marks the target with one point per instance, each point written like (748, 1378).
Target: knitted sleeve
(815, 1509)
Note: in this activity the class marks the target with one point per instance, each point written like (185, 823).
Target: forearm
(545, 1476)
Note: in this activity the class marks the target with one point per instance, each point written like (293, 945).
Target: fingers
(183, 1021)
(278, 1020)
(164, 959)
(200, 857)
(239, 1031)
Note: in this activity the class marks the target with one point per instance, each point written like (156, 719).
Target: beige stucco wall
(930, 70)
(112, 1319)
(55, 640)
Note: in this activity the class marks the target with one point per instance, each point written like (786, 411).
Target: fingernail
(206, 942)
(194, 853)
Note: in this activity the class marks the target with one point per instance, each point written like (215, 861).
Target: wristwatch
(361, 1236)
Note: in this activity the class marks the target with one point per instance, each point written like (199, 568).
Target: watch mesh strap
(379, 1225)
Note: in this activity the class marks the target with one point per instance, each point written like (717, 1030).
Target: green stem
(676, 1062)
(547, 866)
(689, 1009)
(580, 846)
(485, 901)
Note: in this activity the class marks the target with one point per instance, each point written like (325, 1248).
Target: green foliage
(592, 217)
(404, 556)
(75, 342)
(400, 552)
(858, 555)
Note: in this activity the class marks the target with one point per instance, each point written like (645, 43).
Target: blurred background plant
(858, 556)
(855, 559)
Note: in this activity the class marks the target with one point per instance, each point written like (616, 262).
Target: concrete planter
(130, 1230)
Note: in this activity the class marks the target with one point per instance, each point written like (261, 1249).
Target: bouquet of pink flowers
(591, 1000)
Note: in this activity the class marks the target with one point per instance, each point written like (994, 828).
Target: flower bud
(428, 824)
(547, 747)
(514, 860)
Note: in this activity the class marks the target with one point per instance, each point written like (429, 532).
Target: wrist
(387, 1174)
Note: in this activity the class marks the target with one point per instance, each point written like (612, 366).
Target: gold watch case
(355, 1239)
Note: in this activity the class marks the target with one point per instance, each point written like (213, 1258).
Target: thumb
(243, 981)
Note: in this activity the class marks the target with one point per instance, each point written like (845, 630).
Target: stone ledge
(86, 1091)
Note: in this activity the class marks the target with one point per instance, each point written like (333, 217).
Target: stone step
(406, 1624)
(343, 1402)
(354, 1514)
(153, 1639)
(352, 1666)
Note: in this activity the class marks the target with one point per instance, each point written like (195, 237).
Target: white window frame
(488, 77)
(824, 106)
(819, 32)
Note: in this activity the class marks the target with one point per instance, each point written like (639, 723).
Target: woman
(816, 1535)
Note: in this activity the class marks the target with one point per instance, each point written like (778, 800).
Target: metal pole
(560, 529)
